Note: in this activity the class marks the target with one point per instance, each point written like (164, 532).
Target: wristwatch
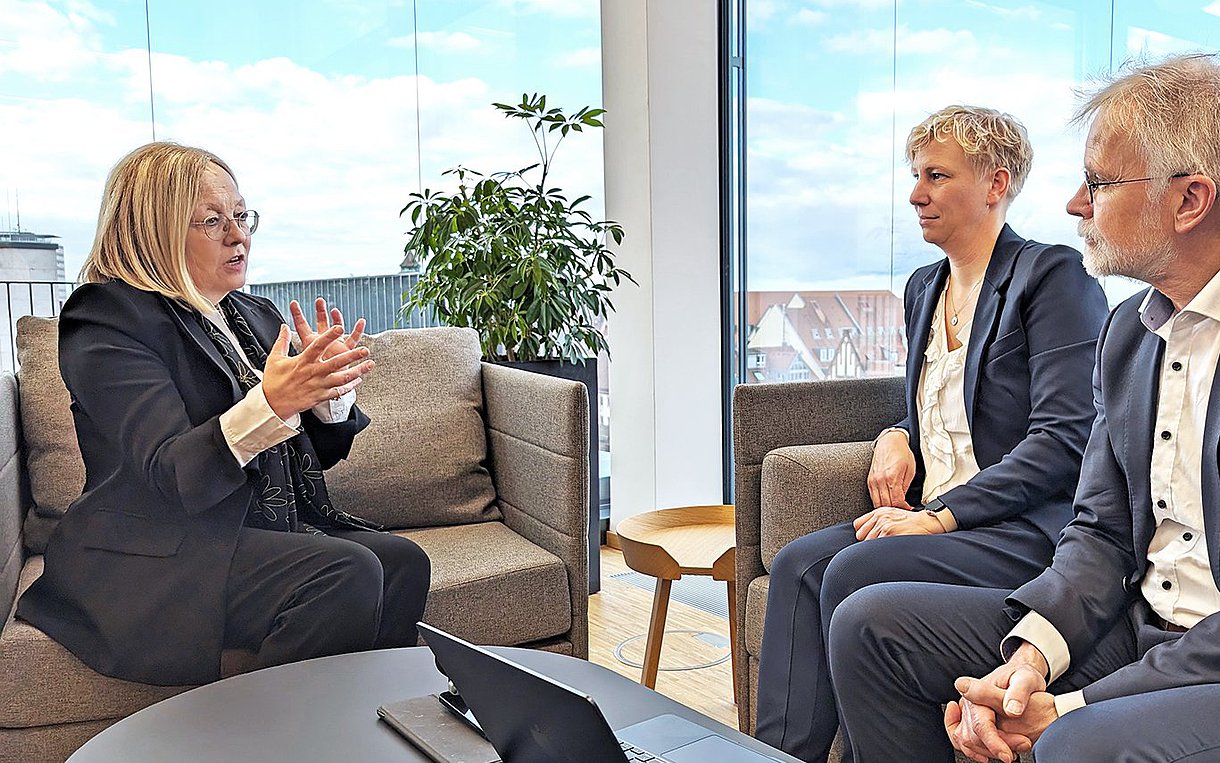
(934, 508)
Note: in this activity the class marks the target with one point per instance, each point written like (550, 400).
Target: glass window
(832, 90)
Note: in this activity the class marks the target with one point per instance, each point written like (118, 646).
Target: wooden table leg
(732, 584)
(656, 632)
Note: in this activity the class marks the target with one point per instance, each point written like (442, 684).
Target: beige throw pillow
(422, 460)
(52, 457)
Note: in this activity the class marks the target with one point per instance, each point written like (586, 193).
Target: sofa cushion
(53, 461)
(487, 568)
(421, 462)
(45, 684)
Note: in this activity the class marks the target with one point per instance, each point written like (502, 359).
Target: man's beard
(1146, 260)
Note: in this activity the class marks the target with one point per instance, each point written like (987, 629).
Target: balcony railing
(376, 298)
(21, 298)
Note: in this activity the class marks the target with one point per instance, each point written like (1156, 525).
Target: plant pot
(585, 373)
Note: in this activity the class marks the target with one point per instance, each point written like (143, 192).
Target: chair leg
(732, 585)
(656, 632)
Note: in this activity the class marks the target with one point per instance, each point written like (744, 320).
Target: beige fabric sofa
(801, 453)
(485, 467)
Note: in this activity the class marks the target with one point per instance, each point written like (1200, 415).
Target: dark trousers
(813, 574)
(293, 596)
(899, 646)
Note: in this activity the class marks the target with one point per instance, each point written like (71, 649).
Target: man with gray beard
(1113, 653)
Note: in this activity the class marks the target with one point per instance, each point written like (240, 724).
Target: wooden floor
(620, 611)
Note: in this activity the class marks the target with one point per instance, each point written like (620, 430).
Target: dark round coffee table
(326, 709)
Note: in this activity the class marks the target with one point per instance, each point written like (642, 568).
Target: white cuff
(1066, 703)
(1038, 631)
(335, 411)
(887, 430)
(250, 427)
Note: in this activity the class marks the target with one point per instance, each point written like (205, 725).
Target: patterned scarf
(291, 495)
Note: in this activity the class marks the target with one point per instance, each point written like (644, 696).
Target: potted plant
(510, 255)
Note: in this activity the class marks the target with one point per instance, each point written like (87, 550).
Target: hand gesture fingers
(1022, 684)
(280, 348)
(317, 346)
(322, 314)
(979, 735)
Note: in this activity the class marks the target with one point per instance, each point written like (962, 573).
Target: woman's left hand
(887, 521)
(326, 319)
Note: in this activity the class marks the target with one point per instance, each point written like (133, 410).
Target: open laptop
(531, 718)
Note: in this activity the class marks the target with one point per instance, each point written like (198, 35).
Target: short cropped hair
(146, 211)
(1171, 109)
(991, 139)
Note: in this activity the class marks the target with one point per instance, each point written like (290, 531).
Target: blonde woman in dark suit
(205, 523)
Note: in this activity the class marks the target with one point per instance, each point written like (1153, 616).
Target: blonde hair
(1172, 109)
(147, 206)
(990, 139)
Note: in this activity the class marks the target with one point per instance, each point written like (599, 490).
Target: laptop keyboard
(635, 754)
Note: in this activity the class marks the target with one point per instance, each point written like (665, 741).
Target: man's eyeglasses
(1093, 185)
(216, 227)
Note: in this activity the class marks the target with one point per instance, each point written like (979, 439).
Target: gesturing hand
(326, 319)
(891, 471)
(297, 383)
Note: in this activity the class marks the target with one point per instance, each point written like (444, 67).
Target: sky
(316, 106)
(832, 92)
(320, 111)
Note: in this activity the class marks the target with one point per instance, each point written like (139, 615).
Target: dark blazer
(134, 583)
(1099, 563)
(1028, 365)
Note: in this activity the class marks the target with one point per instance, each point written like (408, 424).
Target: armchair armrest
(538, 444)
(770, 416)
(808, 487)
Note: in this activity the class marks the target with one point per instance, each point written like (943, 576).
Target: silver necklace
(949, 298)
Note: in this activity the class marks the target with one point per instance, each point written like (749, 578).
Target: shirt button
(1165, 435)
(1166, 585)
(1161, 504)
(1187, 536)
(1176, 366)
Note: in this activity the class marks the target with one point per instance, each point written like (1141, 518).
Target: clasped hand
(1003, 713)
(328, 366)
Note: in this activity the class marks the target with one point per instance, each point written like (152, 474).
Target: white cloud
(581, 57)
(870, 42)
(448, 42)
(565, 8)
(329, 160)
(809, 17)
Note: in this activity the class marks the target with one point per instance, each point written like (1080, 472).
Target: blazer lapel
(987, 310)
(1134, 425)
(1211, 477)
(197, 339)
(917, 337)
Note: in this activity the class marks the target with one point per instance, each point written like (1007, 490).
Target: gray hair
(1171, 108)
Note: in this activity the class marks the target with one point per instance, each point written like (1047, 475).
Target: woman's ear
(998, 191)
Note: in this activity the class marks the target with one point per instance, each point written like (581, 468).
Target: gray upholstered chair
(485, 467)
(801, 453)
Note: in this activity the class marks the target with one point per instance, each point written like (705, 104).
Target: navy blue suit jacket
(1100, 561)
(1028, 365)
(134, 582)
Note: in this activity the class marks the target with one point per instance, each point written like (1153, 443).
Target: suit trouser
(813, 574)
(292, 596)
(899, 647)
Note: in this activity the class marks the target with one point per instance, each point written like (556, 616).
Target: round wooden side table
(670, 543)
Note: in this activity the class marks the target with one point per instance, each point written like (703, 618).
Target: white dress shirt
(944, 429)
(250, 426)
(1178, 582)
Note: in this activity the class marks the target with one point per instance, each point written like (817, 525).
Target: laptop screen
(525, 715)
